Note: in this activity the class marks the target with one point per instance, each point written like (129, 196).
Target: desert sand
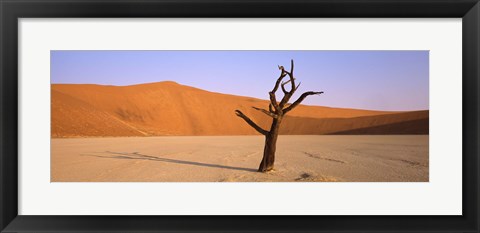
(168, 108)
(305, 158)
(167, 132)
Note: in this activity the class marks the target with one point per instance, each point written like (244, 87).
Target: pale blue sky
(377, 80)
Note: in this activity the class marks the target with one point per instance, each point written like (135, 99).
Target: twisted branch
(275, 109)
(250, 122)
(300, 99)
(297, 86)
(270, 108)
(283, 88)
(273, 98)
(290, 74)
(266, 112)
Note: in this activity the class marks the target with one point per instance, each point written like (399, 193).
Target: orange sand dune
(168, 108)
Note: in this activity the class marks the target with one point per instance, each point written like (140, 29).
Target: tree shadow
(136, 155)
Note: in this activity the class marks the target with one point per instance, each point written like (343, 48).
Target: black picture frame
(11, 11)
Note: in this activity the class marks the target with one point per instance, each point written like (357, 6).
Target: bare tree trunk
(270, 147)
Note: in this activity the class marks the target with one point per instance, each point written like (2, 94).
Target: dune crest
(168, 108)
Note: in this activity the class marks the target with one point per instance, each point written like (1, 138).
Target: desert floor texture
(343, 158)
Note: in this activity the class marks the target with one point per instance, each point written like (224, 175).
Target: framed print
(311, 116)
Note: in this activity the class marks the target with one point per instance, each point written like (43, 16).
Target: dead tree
(276, 110)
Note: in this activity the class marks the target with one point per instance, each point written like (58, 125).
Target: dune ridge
(168, 108)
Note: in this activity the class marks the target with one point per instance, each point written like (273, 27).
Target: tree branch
(287, 81)
(298, 86)
(285, 100)
(283, 88)
(270, 108)
(300, 99)
(291, 67)
(250, 122)
(273, 99)
(292, 79)
(282, 75)
(266, 112)
(288, 94)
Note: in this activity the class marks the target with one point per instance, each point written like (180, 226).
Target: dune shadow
(412, 127)
(136, 155)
